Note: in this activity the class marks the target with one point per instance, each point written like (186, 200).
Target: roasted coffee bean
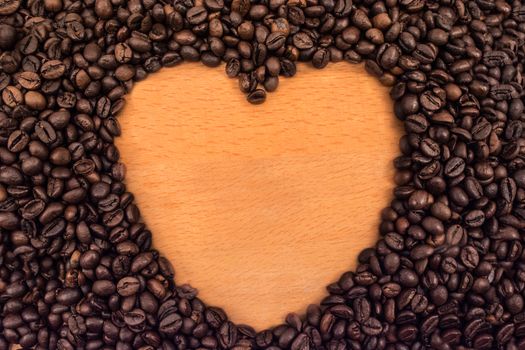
(52, 69)
(454, 167)
(128, 286)
(7, 32)
(247, 83)
(135, 318)
(257, 96)
(233, 68)
(45, 132)
(33, 208)
(104, 288)
(372, 327)
(275, 41)
(196, 15)
(227, 335)
(469, 257)
(321, 58)
(17, 141)
(8, 7)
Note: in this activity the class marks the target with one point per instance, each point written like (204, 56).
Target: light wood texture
(260, 207)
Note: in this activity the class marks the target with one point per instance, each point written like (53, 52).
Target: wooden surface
(260, 207)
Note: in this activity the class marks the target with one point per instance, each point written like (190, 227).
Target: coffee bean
(45, 132)
(89, 259)
(128, 286)
(362, 309)
(8, 221)
(135, 318)
(421, 252)
(227, 334)
(271, 84)
(247, 83)
(68, 296)
(257, 96)
(505, 333)
(233, 68)
(53, 69)
(104, 288)
(407, 333)
(302, 41)
(17, 141)
(372, 327)
(196, 15)
(391, 263)
(469, 257)
(475, 218)
(394, 241)
(33, 208)
(430, 101)
(389, 57)
(454, 167)
(240, 6)
(8, 7)
(7, 32)
(275, 41)
(302, 342)
(321, 58)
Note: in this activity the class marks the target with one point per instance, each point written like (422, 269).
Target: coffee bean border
(77, 270)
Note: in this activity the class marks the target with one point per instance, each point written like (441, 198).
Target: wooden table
(260, 207)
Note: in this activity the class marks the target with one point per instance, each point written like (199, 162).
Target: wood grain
(260, 207)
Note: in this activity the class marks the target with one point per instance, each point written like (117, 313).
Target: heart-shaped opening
(260, 207)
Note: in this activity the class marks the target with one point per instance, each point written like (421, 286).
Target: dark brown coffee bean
(9, 221)
(196, 15)
(17, 141)
(53, 69)
(362, 309)
(475, 218)
(233, 68)
(8, 7)
(241, 6)
(342, 8)
(227, 334)
(514, 303)
(104, 288)
(407, 333)
(454, 167)
(321, 58)
(275, 41)
(135, 318)
(430, 101)
(408, 278)
(469, 257)
(29, 80)
(505, 333)
(12, 96)
(45, 132)
(421, 251)
(68, 296)
(33, 208)
(257, 96)
(128, 286)
(372, 327)
(7, 32)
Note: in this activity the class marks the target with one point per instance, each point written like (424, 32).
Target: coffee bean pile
(77, 270)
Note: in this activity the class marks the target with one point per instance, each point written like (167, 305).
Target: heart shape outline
(204, 166)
